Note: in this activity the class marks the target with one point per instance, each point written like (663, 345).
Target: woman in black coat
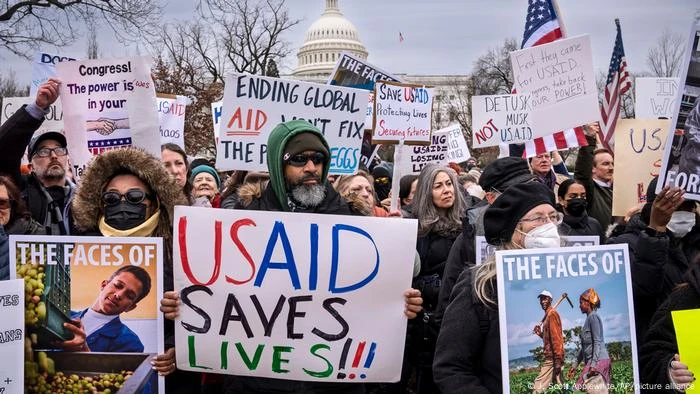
(573, 204)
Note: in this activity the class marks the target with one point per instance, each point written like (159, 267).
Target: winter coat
(15, 135)
(581, 225)
(468, 352)
(599, 198)
(657, 267)
(660, 342)
(23, 226)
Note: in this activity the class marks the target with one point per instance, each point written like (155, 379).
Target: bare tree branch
(664, 60)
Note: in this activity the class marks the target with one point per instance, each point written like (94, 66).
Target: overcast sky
(446, 36)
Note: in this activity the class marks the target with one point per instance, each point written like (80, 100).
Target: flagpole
(560, 17)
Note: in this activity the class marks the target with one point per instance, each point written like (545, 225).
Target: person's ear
(104, 283)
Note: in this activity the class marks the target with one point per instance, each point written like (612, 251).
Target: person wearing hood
(129, 193)
(573, 203)
(659, 361)
(467, 356)
(382, 175)
(205, 186)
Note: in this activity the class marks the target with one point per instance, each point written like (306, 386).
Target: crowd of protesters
(453, 341)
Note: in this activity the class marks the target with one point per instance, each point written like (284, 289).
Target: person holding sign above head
(467, 356)
(48, 190)
(549, 169)
(298, 162)
(573, 204)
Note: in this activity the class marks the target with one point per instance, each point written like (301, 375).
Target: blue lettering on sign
(332, 283)
(278, 232)
(344, 160)
(217, 114)
(48, 59)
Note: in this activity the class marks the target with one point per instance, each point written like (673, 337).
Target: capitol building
(332, 34)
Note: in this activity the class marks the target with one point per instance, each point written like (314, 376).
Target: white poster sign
(655, 97)
(415, 157)
(171, 116)
(500, 119)
(484, 249)
(12, 330)
(254, 105)
(292, 296)
(560, 79)
(457, 149)
(43, 68)
(106, 104)
(402, 112)
(216, 110)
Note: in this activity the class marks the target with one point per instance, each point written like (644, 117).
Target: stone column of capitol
(332, 34)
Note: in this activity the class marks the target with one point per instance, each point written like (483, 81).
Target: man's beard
(308, 195)
(53, 172)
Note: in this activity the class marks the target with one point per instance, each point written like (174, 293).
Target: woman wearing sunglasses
(128, 193)
(14, 219)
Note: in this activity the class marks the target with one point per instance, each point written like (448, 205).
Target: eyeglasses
(5, 203)
(46, 152)
(132, 196)
(300, 160)
(555, 218)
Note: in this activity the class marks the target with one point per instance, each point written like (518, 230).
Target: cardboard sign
(353, 72)
(171, 117)
(500, 119)
(12, 336)
(655, 97)
(457, 149)
(53, 121)
(685, 324)
(681, 164)
(254, 105)
(290, 295)
(560, 79)
(108, 104)
(43, 68)
(483, 249)
(523, 274)
(81, 276)
(639, 147)
(402, 112)
(415, 157)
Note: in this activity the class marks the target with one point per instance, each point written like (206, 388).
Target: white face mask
(681, 223)
(544, 236)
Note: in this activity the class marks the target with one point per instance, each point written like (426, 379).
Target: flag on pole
(542, 26)
(617, 84)
(400, 37)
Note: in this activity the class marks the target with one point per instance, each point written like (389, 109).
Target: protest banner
(254, 105)
(12, 336)
(447, 145)
(308, 297)
(43, 68)
(566, 274)
(216, 110)
(560, 79)
(639, 147)
(500, 119)
(685, 324)
(681, 163)
(99, 280)
(402, 112)
(483, 249)
(108, 104)
(457, 149)
(171, 117)
(655, 98)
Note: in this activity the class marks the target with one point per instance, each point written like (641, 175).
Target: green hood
(275, 149)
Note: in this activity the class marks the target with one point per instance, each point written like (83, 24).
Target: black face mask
(576, 206)
(125, 216)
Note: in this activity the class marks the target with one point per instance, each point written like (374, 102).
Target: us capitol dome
(330, 35)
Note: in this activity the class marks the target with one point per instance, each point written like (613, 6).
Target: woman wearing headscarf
(595, 375)
(467, 356)
(572, 202)
(129, 193)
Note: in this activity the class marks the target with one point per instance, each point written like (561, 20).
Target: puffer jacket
(23, 226)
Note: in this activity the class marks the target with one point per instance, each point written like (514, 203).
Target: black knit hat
(501, 218)
(504, 172)
(303, 142)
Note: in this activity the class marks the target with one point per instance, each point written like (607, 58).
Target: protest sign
(681, 163)
(685, 324)
(415, 157)
(307, 297)
(567, 274)
(500, 119)
(53, 121)
(654, 97)
(43, 68)
(12, 336)
(483, 249)
(108, 104)
(216, 110)
(254, 105)
(639, 147)
(91, 278)
(560, 79)
(402, 112)
(171, 117)
(457, 149)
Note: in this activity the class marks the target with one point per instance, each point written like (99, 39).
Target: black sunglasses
(300, 160)
(132, 196)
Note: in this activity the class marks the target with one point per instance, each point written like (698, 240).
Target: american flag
(618, 83)
(542, 27)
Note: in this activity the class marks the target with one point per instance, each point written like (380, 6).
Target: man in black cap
(47, 190)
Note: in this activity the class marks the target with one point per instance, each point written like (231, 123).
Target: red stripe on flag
(560, 140)
(540, 146)
(549, 37)
(581, 136)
